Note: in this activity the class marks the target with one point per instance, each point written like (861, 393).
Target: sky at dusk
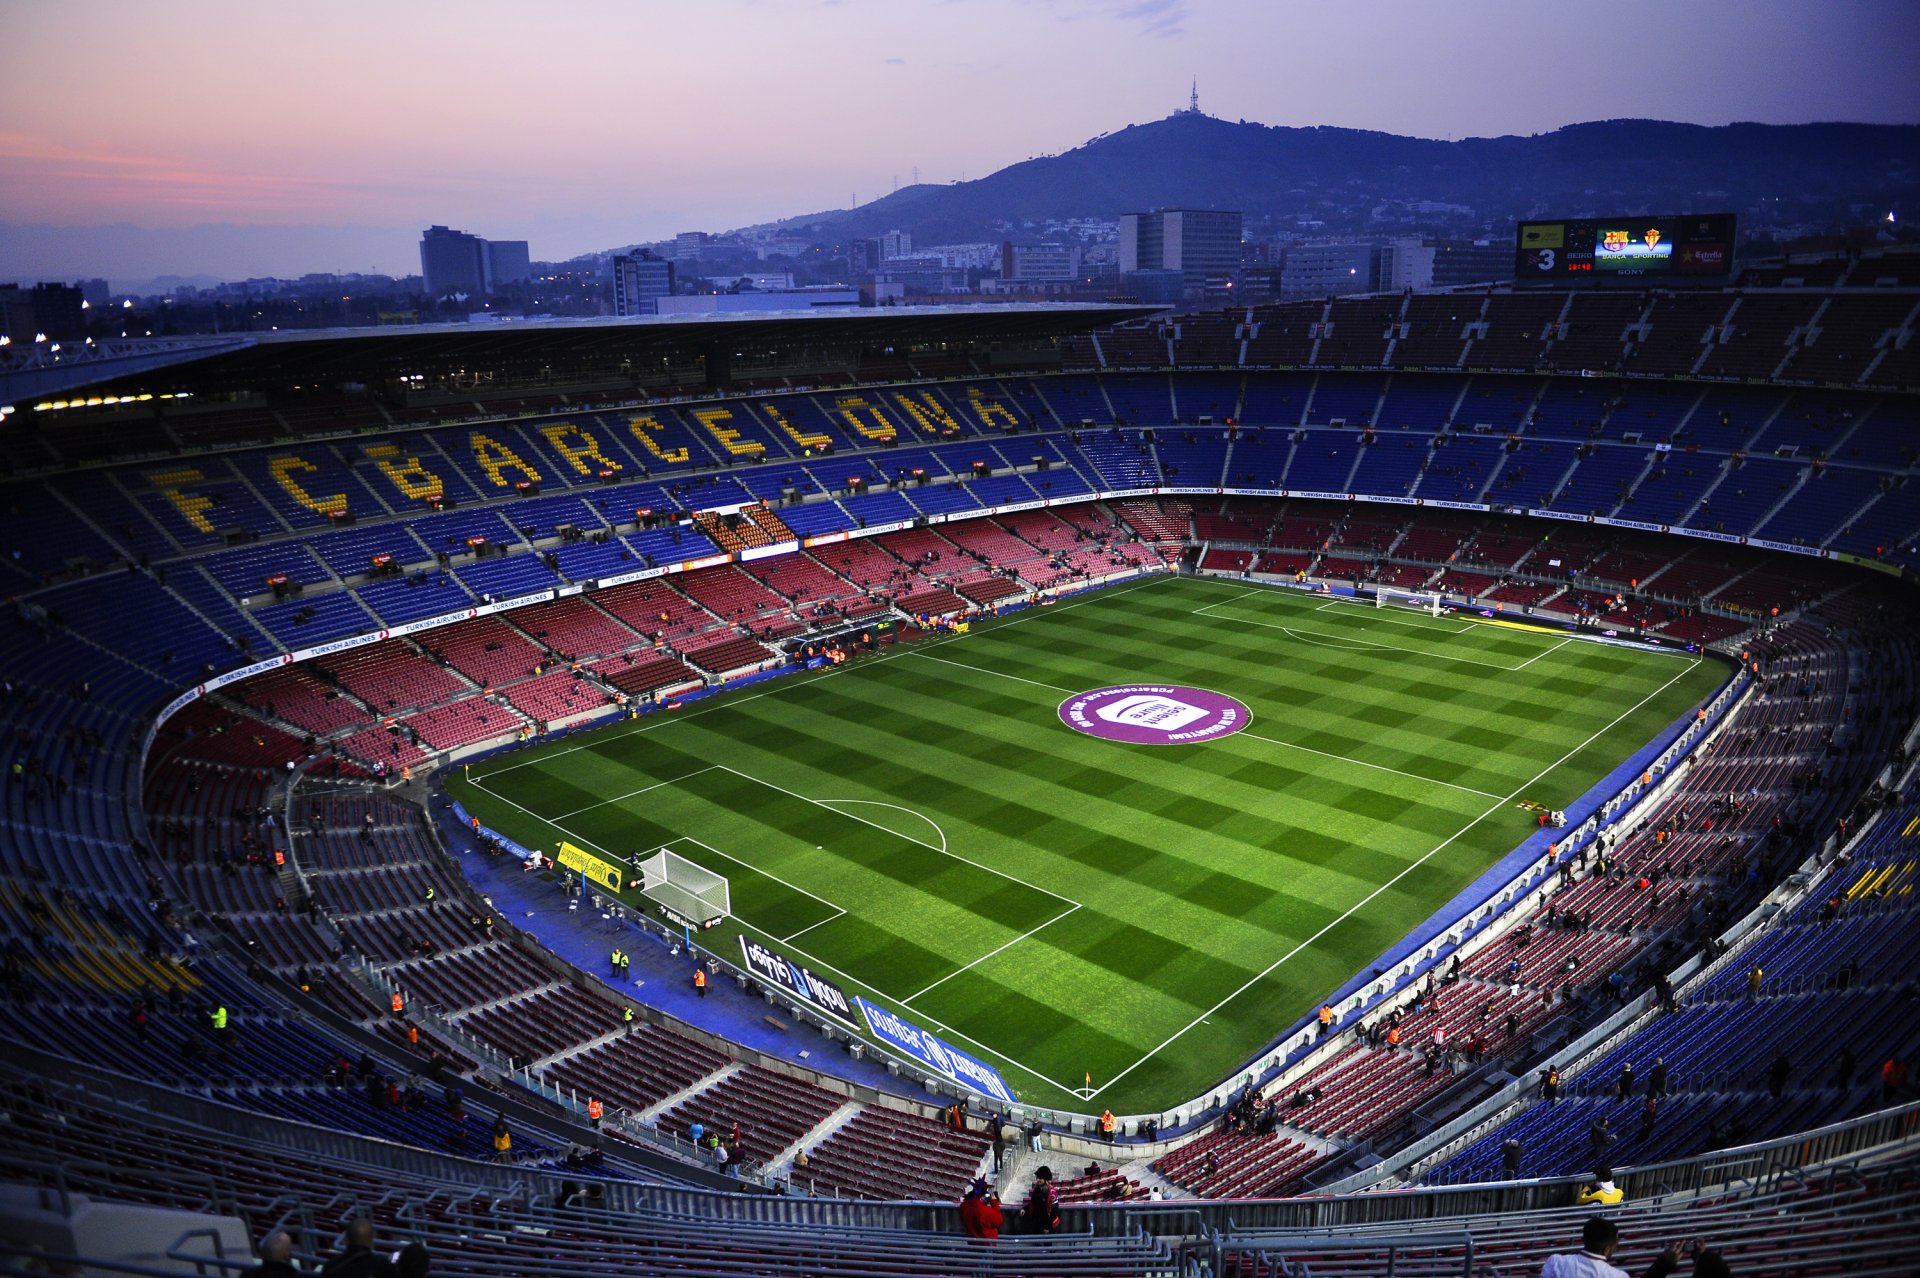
(234, 139)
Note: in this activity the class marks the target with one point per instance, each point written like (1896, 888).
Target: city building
(640, 280)
(1471, 262)
(94, 292)
(507, 263)
(863, 257)
(51, 311)
(689, 245)
(1329, 269)
(1406, 264)
(918, 275)
(1039, 263)
(453, 262)
(1196, 242)
(799, 299)
(895, 244)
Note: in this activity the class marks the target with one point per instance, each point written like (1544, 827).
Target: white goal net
(691, 891)
(1418, 600)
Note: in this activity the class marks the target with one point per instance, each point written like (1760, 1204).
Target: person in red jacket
(980, 1212)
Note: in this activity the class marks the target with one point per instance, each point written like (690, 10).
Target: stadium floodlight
(1427, 601)
(693, 893)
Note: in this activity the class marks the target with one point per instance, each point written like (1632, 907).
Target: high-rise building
(51, 311)
(895, 244)
(689, 245)
(640, 280)
(1196, 242)
(1471, 262)
(863, 257)
(453, 262)
(94, 292)
(1406, 264)
(507, 263)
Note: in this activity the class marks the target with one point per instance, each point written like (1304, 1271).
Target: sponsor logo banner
(589, 866)
(623, 578)
(904, 1036)
(763, 552)
(518, 601)
(777, 969)
(1154, 714)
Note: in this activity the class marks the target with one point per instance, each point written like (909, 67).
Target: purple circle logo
(1154, 714)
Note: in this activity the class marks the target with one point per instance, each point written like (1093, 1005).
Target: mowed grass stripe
(1195, 867)
(1508, 721)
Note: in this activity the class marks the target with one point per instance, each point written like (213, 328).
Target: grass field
(923, 826)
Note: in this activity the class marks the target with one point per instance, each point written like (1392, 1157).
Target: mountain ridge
(1335, 175)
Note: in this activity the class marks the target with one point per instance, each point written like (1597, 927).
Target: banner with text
(903, 1035)
(591, 867)
(777, 969)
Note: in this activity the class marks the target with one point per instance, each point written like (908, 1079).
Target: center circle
(1154, 714)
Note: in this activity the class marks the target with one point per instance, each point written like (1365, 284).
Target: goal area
(694, 893)
(1427, 601)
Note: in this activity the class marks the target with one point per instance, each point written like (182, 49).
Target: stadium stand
(145, 883)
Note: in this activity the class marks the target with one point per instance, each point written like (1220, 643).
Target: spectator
(1598, 1137)
(1657, 1078)
(357, 1260)
(1510, 1152)
(1623, 1086)
(1707, 1263)
(980, 1213)
(1601, 1191)
(276, 1257)
(1777, 1074)
(412, 1262)
(1598, 1237)
(502, 1139)
(1043, 1203)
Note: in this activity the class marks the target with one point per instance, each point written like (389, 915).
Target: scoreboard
(1695, 245)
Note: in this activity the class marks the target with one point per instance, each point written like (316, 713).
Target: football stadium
(1314, 783)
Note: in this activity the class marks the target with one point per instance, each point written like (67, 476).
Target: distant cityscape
(1385, 229)
(1158, 257)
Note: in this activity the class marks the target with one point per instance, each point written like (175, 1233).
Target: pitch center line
(1351, 910)
(989, 954)
(1485, 794)
(1362, 763)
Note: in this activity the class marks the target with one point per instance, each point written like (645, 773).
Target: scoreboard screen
(1695, 244)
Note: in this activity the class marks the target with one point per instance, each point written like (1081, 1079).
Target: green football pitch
(922, 827)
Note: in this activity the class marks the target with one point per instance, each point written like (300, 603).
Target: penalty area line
(989, 954)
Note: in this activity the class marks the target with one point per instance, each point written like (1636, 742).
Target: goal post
(1427, 601)
(688, 890)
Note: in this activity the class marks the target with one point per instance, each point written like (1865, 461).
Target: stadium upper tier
(290, 545)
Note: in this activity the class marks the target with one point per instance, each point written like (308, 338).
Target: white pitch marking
(1380, 767)
(1543, 652)
(877, 803)
(989, 954)
(1349, 912)
(1011, 878)
(619, 798)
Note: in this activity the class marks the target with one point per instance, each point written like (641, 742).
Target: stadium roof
(269, 361)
